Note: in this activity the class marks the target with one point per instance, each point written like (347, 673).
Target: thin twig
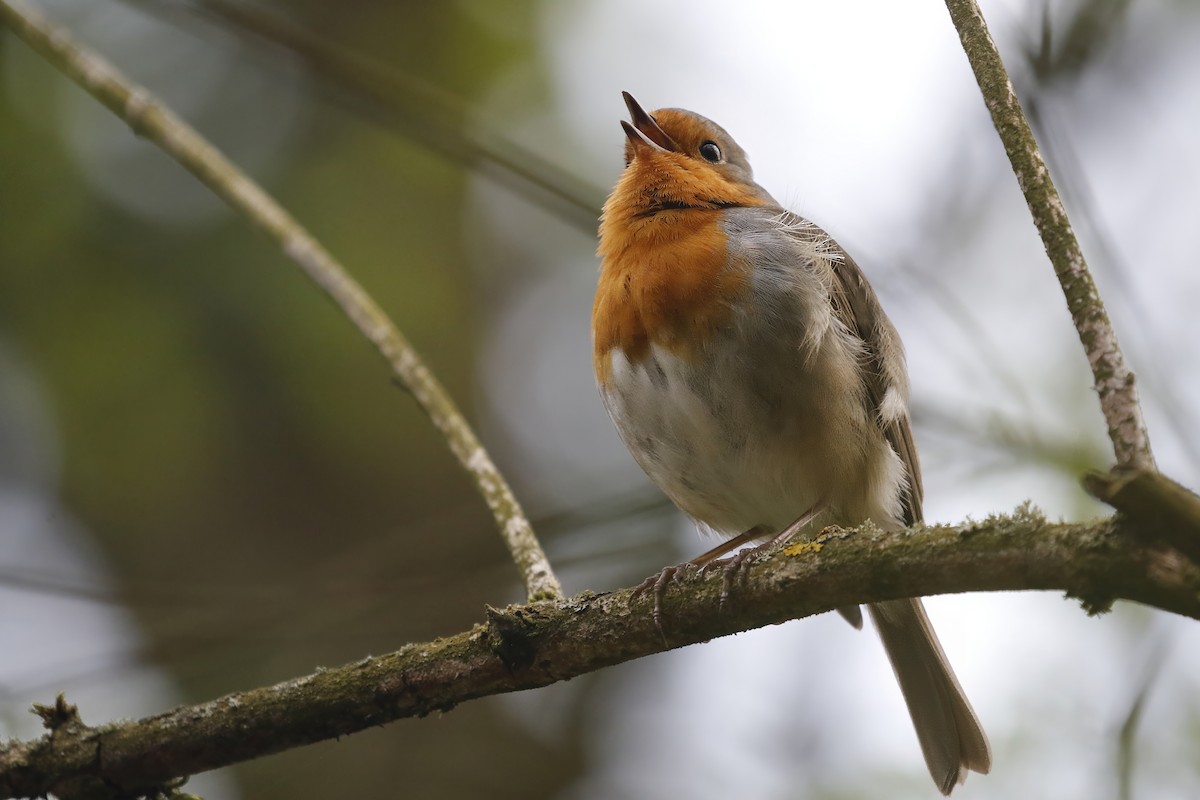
(405, 103)
(157, 123)
(1112, 379)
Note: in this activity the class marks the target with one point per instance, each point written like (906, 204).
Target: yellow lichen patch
(802, 548)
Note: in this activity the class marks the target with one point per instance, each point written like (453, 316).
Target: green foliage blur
(267, 499)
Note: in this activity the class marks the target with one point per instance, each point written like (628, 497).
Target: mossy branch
(1112, 379)
(528, 646)
(1147, 554)
(153, 121)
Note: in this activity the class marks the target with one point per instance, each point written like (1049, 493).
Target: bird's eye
(710, 152)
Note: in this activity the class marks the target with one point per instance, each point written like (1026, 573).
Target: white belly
(748, 436)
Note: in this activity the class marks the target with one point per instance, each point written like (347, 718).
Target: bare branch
(534, 645)
(157, 123)
(408, 105)
(1112, 379)
(1153, 503)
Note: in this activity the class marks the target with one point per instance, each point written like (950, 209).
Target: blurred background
(209, 483)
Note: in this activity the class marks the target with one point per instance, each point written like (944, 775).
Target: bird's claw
(734, 567)
(657, 584)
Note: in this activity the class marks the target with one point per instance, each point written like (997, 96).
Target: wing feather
(885, 377)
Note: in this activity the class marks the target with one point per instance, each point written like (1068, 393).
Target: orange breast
(665, 280)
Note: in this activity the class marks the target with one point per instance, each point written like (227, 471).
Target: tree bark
(523, 647)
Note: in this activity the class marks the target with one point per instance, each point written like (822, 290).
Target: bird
(748, 366)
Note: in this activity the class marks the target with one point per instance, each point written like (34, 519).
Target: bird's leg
(659, 581)
(706, 560)
(734, 566)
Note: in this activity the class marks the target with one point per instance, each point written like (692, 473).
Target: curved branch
(149, 119)
(409, 105)
(1112, 379)
(534, 645)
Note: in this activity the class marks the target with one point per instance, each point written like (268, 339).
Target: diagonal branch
(1112, 379)
(157, 123)
(406, 103)
(534, 645)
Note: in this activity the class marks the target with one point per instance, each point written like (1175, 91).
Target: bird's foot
(657, 584)
(733, 568)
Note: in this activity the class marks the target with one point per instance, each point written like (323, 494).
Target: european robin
(750, 370)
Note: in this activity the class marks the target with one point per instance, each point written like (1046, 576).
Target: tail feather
(951, 737)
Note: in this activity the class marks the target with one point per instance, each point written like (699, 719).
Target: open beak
(644, 132)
